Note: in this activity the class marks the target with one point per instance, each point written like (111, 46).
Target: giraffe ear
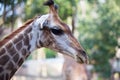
(45, 24)
(56, 7)
(42, 21)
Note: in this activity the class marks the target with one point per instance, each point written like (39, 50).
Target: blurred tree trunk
(4, 12)
(1, 31)
(12, 17)
(73, 23)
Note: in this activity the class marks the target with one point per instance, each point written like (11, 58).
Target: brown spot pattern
(2, 77)
(1, 70)
(26, 40)
(2, 51)
(19, 45)
(9, 45)
(24, 52)
(5, 40)
(4, 59)
(10, 66)
(28, 30)
(12, 51)
(16, 58)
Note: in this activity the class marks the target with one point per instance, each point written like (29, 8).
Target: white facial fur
(64, 43)
(36, 30)
(41, 20)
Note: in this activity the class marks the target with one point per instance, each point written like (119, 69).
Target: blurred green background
(97, 23)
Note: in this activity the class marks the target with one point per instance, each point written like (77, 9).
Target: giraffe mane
(9, 37)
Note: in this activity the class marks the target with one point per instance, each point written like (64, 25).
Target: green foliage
(8, 15)
(36, 7)
(50, 53)
(99, 35)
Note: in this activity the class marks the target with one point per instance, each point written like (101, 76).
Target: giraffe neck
(16, 50)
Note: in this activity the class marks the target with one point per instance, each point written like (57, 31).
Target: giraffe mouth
(82, 58)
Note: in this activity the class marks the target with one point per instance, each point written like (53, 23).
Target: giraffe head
(57, 36)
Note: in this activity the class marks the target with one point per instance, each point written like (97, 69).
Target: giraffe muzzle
(82, 57)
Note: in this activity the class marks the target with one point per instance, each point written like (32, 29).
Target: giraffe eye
(57, 31)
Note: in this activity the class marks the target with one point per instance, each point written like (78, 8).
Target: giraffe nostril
(82, 57)
(83, 53)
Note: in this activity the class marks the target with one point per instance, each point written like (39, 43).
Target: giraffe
(43, 31)
(73, 70)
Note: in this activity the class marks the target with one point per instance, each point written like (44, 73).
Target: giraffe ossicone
(44, 31)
